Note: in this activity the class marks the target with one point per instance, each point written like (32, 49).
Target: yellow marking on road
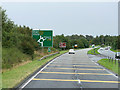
(99, 81)
(75, 65)
(76, 73)
(77, 80)
(54, 79)
(76, 68)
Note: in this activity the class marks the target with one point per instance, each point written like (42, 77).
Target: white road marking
(79, 81)
(36, 74)
(105, 69)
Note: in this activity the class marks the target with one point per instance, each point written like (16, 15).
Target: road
(107, 53)
(72, 71)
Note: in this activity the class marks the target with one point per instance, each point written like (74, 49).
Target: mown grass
(16, 75)
(93, 51)
(109, 65)
(118, 50)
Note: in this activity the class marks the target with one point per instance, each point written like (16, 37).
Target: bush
(27, 47)
(11, 57)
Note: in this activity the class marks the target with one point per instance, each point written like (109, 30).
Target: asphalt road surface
(107, 53)
(72, 71)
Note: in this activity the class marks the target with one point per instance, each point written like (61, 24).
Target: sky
(86, 18)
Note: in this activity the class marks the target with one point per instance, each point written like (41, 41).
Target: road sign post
(49, 49)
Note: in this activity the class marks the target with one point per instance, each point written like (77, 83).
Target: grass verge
(109, 65)
(115, 50)
(13, 77)
(93, 51)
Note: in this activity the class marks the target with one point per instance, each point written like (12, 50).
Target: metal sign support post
(43, 50)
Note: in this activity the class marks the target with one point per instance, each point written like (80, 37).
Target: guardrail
(116, 60)
(44, 57)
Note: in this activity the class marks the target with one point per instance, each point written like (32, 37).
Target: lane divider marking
(76, 68)
(94, 81)
(75, 65)
(76, 73)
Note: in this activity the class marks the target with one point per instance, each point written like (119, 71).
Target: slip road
(72, 71)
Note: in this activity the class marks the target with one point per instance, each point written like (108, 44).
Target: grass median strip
(118, 50)
(13, 77)
(93, 51)
(109, 64)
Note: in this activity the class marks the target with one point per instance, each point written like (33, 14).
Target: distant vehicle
(101, 48)
(106, 48)
(71, 51)
(93, 46)
(117, 55)
(109, 47)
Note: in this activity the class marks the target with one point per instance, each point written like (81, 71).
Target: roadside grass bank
(118, 50)
(93, 51)
(13, 57)
(13, 77)
(110, 65)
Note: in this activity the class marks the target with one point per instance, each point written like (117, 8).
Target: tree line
(113, 41)
(87, 40)
(17, 36)
(70, 41)
(16, 40)
(20, 37)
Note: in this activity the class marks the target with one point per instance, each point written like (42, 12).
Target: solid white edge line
(105, 69)
(36, 75)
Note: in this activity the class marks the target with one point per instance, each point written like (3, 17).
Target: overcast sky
(93, 18)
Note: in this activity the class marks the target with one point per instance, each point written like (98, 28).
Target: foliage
(93, 51)
(117, 50)
(80, 40)
(12, 56)
(23, 71)
(17, 40)
(107, 40)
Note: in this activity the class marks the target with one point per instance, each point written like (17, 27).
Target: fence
(112, 60)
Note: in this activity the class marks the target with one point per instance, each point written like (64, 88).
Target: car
(106, 48)
(109, 47)
(117, 55)
(101, 48)
(71, 51)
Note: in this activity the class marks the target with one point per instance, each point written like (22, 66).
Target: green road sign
(49, 49)
(43, 36)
